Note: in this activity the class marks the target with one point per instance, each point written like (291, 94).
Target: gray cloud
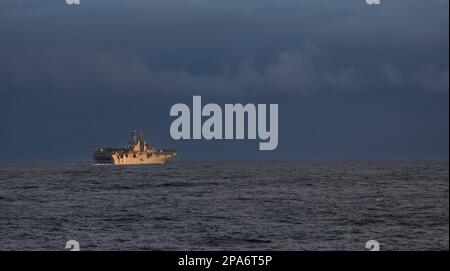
(391, 74)
(296, 72)
(223, 47)
(433, 78)
(428, 77)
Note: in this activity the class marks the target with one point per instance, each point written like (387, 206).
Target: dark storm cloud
(224, 47)
(352, 81)
(294, 72)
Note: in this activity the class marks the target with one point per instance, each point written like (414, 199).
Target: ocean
(238, 205)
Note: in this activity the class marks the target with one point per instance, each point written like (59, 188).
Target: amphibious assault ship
(138, 152)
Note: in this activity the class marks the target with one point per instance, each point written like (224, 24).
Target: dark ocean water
(225, 206)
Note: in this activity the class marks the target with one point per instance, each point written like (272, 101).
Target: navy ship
(138, 152)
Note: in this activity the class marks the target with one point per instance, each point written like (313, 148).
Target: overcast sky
(352, 81)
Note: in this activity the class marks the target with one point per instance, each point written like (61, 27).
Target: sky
(352, 81)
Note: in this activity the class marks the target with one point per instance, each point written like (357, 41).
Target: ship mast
(137, 138)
